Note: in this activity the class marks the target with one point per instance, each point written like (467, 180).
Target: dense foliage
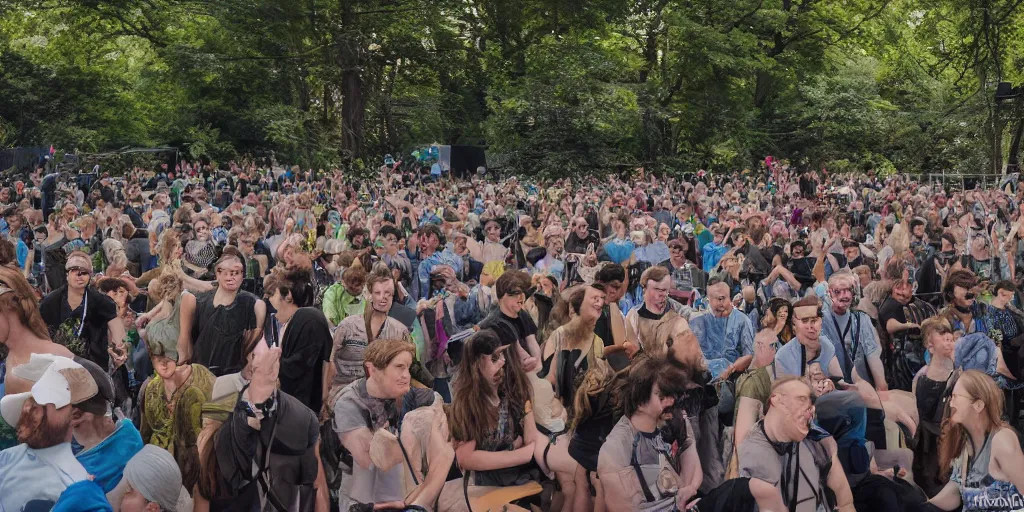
(550, 86)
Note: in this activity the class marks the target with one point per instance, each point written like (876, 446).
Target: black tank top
(217, 331)
(929, 394)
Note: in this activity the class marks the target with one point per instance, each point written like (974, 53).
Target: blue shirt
(37, 476)
(712, 254)
(855, 346)
(789, 358)
(106, 461)
(723, 340)
(653, 253)
(84, 496)
(426, 265)
(22, 251)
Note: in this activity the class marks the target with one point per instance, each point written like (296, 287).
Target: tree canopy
(553, 87)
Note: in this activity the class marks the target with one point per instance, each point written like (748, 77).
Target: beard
(37, 431)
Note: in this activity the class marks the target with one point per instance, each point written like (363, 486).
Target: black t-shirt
(508, 329)
(803, 270)
(890, 308)
(306, 345)
(88, 337)
(218, 331)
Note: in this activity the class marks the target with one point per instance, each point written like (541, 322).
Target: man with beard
(756, 262)
(35, 473)
(632, 464)
(855, 339)
(811, 346)
(788, 471)
(726, 335)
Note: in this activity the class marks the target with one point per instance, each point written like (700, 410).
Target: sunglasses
(79, 271)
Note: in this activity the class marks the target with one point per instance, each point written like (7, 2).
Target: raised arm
(186, 313)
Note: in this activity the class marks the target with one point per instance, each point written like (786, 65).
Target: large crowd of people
(257, 338)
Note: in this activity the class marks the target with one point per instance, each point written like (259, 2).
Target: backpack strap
(648, 495)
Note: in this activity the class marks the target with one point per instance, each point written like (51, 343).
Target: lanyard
(85, 309)
(804, 363)
(851, 359)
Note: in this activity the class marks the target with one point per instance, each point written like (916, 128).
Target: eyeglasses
(841, 291)
(498, 357)
(79, 271)
(969, 398)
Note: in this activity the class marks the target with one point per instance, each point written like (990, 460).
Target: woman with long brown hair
(981, 450)
(491, 422)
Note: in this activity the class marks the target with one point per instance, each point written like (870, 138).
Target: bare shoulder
(1005, 441)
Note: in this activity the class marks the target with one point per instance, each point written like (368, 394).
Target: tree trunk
(1013, 160)
(353, 111)
(353, 101)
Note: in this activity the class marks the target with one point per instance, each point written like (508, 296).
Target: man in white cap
(38, 470)
(152, 482)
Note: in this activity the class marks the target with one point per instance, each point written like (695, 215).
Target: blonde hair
(165, 248)
(167, 286)
(899, 240)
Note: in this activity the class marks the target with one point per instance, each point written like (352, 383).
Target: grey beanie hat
(154, 473)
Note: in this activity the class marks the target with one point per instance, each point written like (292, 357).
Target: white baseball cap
(57, 380)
